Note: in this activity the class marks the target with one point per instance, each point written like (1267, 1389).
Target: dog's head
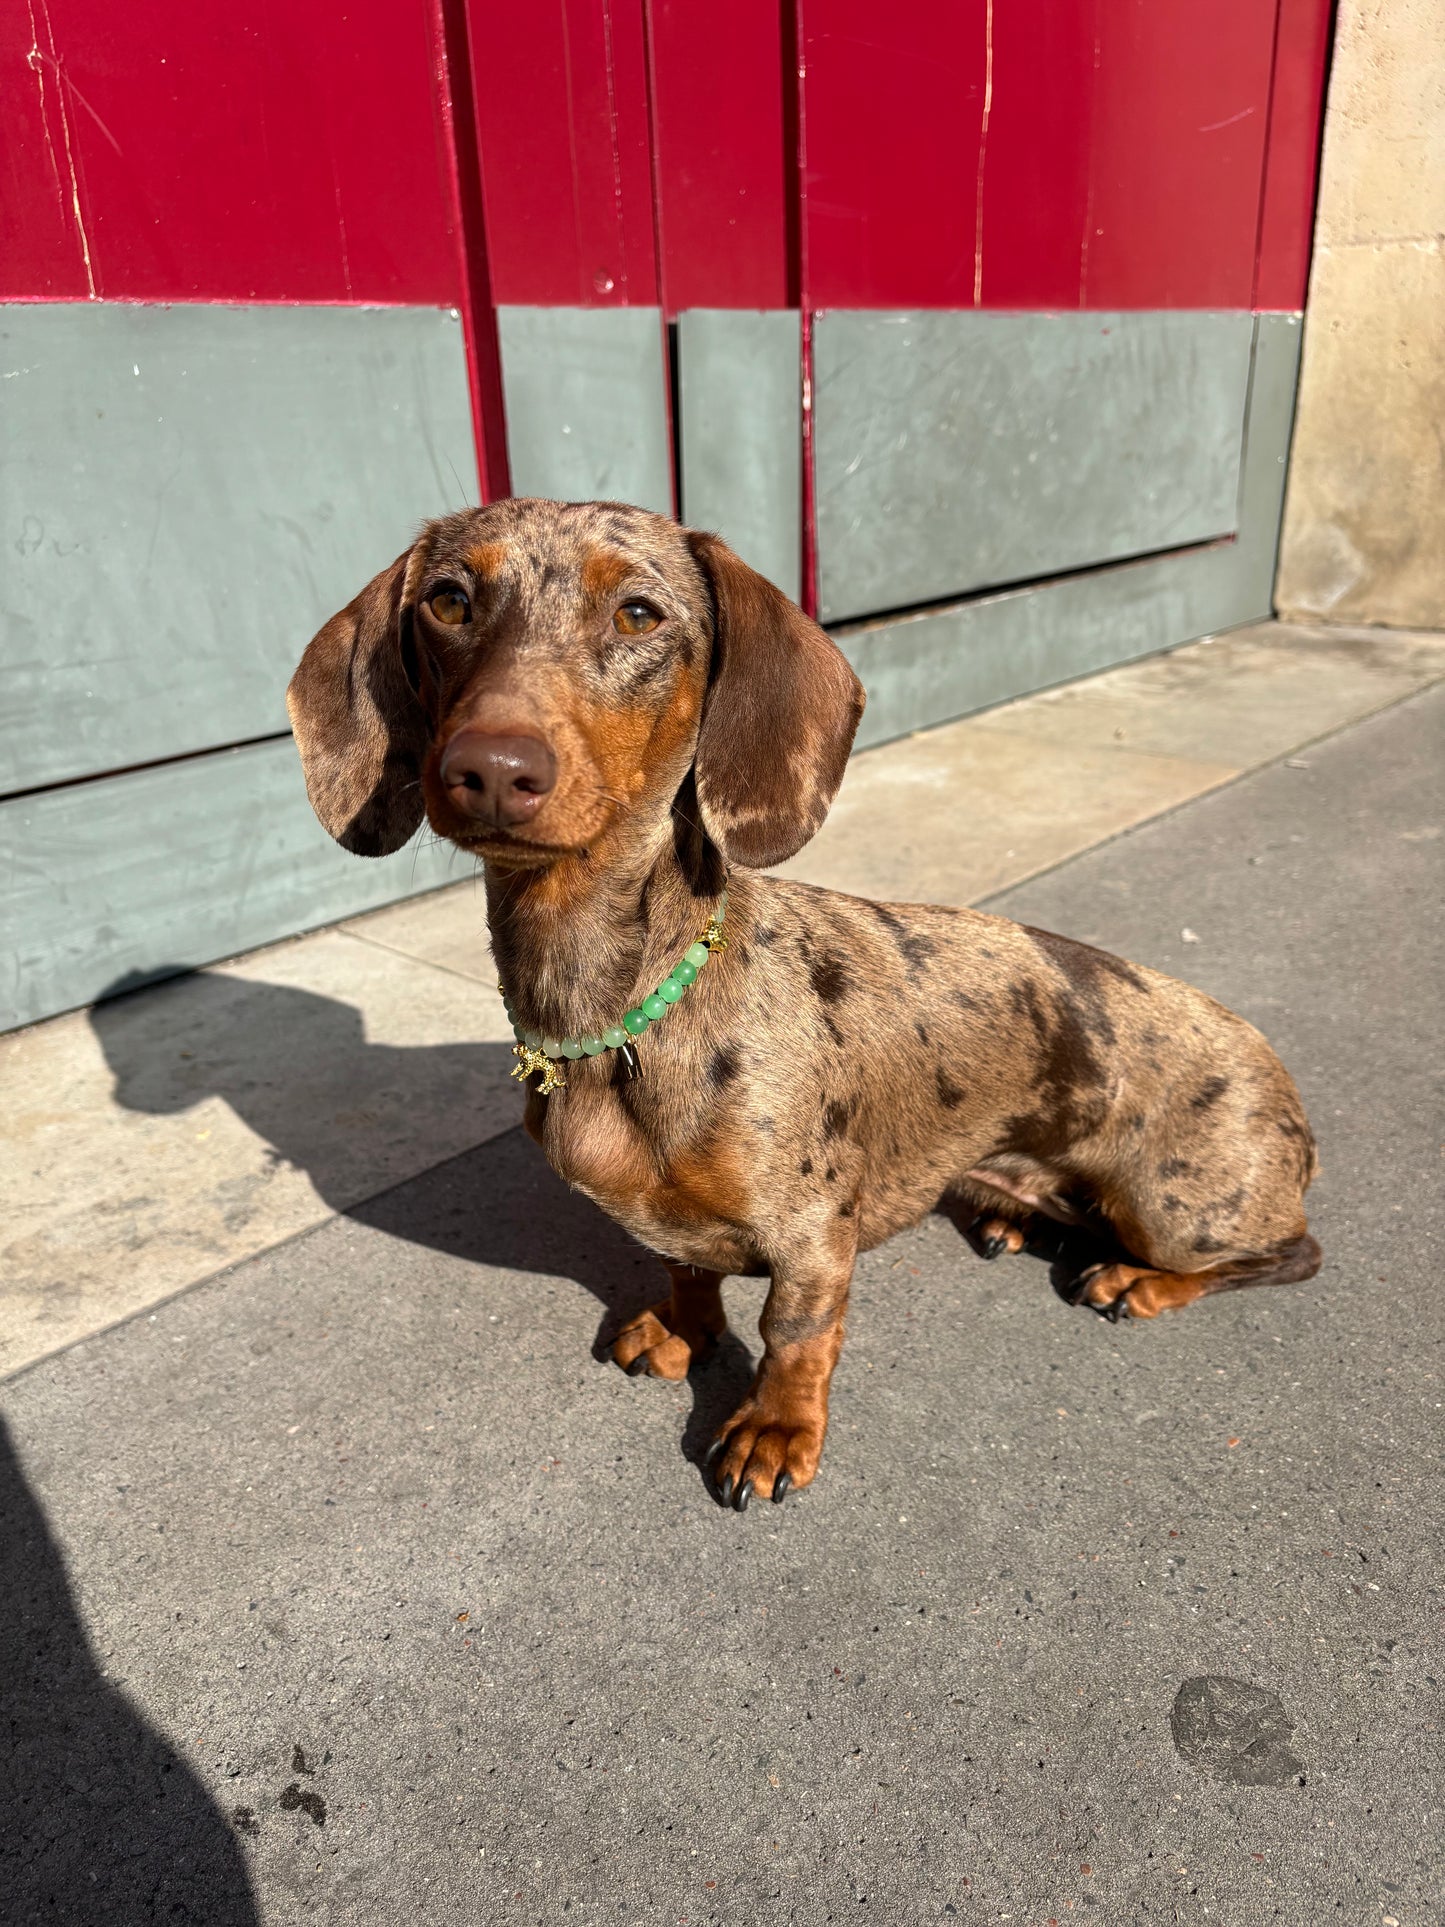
(536, 677)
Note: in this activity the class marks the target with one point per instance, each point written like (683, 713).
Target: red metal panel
(1084, 153)
(1286, 224)
(725, 179)
(256, 152)
(562, 113)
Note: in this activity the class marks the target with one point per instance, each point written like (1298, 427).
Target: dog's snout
(498, 780)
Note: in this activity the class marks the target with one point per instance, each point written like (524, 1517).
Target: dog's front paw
(765, 1450)
(665, 1342)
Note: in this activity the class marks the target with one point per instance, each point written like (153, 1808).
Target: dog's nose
(499, 780)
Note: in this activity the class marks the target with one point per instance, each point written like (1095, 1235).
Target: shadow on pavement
(102, 1820)
(290, 1061)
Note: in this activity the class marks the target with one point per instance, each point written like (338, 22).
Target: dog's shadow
(298, 1069)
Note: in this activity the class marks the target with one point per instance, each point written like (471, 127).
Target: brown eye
(635, 619)
(451, 607)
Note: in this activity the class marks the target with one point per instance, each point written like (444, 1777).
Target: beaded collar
(535, 1052)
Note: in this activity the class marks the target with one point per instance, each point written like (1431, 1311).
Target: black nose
(499, 780)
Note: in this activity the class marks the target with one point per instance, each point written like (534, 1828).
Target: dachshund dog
(624, 722)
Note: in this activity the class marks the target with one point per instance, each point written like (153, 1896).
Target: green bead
(684, 973)
(614, 1037)
(519, 1033)
(571, 1048)
(594, 1046)
(636, 1021)
(552, 1046)
(654, 1006)
(669, 990)
(696, 955)
(532, 1039)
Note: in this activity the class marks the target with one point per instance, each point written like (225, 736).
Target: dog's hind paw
(998, 1235)
(663, 1345)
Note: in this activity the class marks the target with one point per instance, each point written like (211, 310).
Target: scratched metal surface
(944, 662)
(741, 433)
(955, 451)
(587, 410)
(153, 872)
(187, 494)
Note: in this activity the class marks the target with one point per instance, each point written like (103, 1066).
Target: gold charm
(713, 936)
(530, 1060)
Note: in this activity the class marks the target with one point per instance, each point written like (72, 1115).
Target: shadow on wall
(298, 1069)
(102, 1819)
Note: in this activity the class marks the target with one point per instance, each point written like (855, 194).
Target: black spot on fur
(1085, 967)
(832, 1029)
(836, 1115)
(1209, 1093)
(1230, 1205)
(1207, 1246)
(1136, 1123)
(1068, 1078)
(845, 1210)
(963, 1000)
(1171, 1203)
(922, 1030)
(724, 1066)
(763, 935)
(806, 1167)
(830, 980)
(917, 951)
(765, 1125)
(1176, 1168)
(830, 1174)
(950, 1095)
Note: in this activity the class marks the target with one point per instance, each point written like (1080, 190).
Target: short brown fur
(843, 1065)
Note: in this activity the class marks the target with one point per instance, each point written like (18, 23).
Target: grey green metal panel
(175, 866)
(586, 396)
(740, 384)
(929, 667)
(954, 450)
(186, 493)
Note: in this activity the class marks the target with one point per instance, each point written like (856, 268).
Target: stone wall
(1364, 526)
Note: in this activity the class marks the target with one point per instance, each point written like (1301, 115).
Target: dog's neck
(581, 942)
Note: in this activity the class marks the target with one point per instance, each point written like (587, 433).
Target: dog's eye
(635, 619)
(451, 607)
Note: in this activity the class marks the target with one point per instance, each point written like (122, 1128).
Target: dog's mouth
(504, 851)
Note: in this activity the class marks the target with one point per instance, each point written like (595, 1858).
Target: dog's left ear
(781, 711)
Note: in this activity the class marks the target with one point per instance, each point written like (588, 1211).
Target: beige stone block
(959, 812)
(448, 928)
(1365, 507)
(1242, 698)
(1382, 175)
(158, 1138)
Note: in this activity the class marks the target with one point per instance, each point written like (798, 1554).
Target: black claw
(725, 1489)
(745, 1492)
(993, 1247)
(639, 1364)
(782, 1485)
(713, 1450)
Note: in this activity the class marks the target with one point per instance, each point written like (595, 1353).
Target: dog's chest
(688, 1204)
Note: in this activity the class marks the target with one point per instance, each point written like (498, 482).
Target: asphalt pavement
(351, 1585)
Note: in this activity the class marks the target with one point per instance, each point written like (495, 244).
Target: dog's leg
(667, 1339)
(1136, 1291)
(774, 1440)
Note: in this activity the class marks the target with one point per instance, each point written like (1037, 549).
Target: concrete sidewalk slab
(136, 1170)
(162, 1136)
(352, 1590)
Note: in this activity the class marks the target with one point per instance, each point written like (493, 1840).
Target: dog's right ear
(358, 720)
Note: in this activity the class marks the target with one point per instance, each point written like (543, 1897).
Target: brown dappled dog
(620, 718)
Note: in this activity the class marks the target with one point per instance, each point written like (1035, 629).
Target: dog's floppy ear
(781, 711)
(358, 721)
